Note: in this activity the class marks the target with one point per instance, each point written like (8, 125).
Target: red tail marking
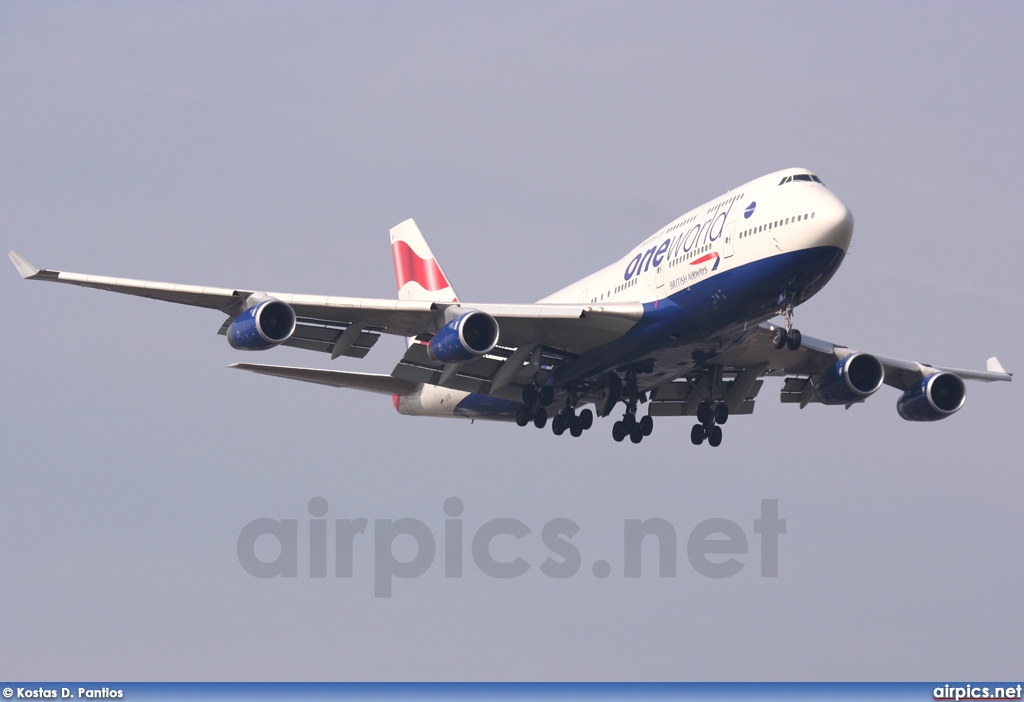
(409, 266)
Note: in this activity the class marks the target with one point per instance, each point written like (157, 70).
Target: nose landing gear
(788, 337)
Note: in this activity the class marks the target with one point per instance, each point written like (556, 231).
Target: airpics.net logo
(715, 548)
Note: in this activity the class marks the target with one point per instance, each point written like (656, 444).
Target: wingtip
(994, 366)
(25, 269)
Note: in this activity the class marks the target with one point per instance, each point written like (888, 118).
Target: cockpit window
(801, 177)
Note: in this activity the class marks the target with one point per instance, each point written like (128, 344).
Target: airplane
(680, 323)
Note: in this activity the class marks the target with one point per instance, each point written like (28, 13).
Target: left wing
(819, 371)
(816, 356)
(350, 326)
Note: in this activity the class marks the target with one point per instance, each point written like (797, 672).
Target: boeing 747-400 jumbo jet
(680, 323)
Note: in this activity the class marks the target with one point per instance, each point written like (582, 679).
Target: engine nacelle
(464, 338)
(933, 398)
(853, 379)
(262, 326)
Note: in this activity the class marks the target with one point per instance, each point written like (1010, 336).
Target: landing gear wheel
(637, 435)
(704, 414)
(547, 395)
(794, 339)
(779, 338)
(629, 423)
(646, 424)
(558, 425)
(576, 428)
(586, 419)
(619, 431)
(523, 415)
(721, 414)
(540, 418)
(697, 434)
(715, 436)
(529, 394)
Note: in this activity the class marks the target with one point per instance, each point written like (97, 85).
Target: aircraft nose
(835, 224)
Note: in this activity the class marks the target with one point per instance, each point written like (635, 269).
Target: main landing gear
(710, 419)
(575, 423)
(788, 337)
(534, 407)
(567, 419)
(629, 425)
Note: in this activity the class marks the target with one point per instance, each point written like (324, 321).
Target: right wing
(350, 325)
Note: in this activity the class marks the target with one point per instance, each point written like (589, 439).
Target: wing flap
(682, 397)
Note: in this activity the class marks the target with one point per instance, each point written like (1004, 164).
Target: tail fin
(417, 272)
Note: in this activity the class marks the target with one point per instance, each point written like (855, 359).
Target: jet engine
(934, 397)
(853, 379)
(464, 338)
(262, 326)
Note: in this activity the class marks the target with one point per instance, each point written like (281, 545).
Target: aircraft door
(729, 243)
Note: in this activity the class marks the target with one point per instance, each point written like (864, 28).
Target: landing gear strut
(629, 425)
(788, 337)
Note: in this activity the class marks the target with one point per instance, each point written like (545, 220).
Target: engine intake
(853, 379)
(262, 326)
(464, 338)
(933, 398)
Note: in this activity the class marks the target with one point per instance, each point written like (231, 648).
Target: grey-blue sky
(272, 146)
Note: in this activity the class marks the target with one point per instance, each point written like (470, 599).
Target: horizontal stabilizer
(370, 382)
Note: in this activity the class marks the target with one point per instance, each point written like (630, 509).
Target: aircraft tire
(779, 338)
(547, 395)
(794, 339)
(704, 413)
(558, 425)
(540, 418)
(697, 434)
(646, 424)
(715, 436)
(721, 414)
(529, 394)
(618, 431)
(586, 419)
(523, 415)
(637, 435)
